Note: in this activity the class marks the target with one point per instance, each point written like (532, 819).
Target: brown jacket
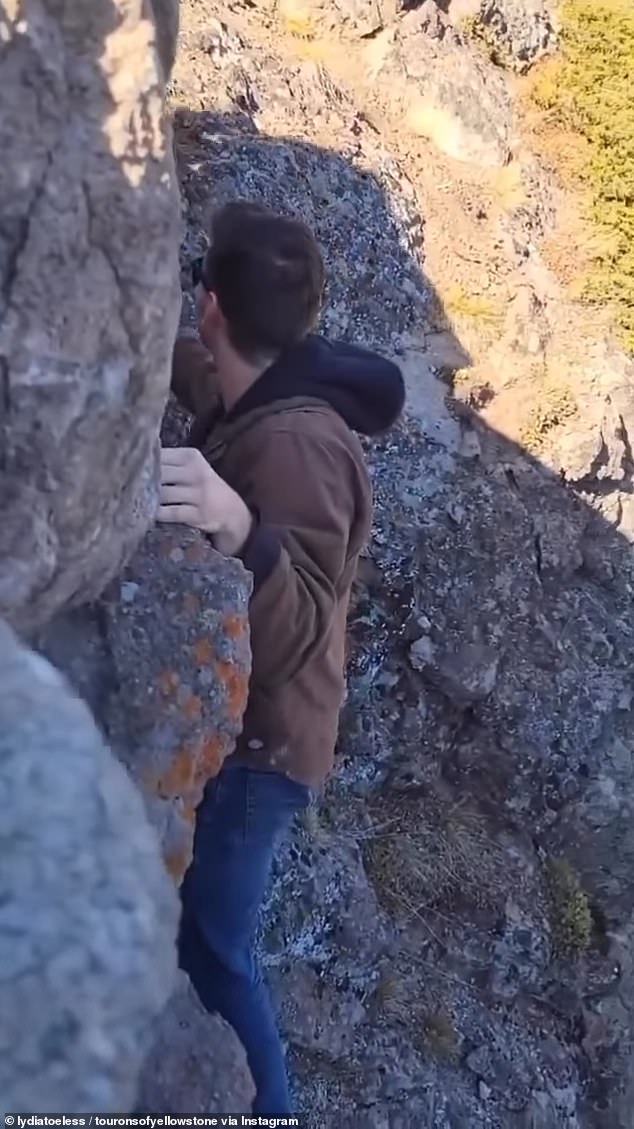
(299, 467)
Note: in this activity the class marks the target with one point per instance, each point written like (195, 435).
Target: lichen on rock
(164, 659)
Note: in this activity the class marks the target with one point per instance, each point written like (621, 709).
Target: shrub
(570, 913)
(589, 89)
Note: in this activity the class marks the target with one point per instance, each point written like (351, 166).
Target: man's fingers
(179, 495)
(173, 474)
(182, 464)
(181, 514)
(176, 456)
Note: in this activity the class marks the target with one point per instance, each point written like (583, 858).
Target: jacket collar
(214, 436)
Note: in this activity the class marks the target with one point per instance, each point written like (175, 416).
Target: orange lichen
(177, 779)
(203, 652)
(191, 604)
(235, 626)
(193, 708)
(188, 812)
(177, 863)
(210, 761)
(168, 681)
(237, 685)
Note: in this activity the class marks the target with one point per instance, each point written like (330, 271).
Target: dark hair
(268, 275)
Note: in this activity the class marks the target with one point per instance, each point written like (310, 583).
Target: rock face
(448, 93)
(87, 912)
(361, 17)
(525, 30)
(89, 296)
(431, 74)
(449, 936)
(196, 1064)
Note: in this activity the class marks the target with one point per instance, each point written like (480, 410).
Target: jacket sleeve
(194, 376)
(297, 550)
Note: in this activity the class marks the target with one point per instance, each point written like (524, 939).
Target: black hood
(366, 390)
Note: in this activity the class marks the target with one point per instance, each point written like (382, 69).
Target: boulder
(427, 70)
(88, 913)
(524, 30)
(449, 94)
(196, 1064)
(88, 293)
(164, 661)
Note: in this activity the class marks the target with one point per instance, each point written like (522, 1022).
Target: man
(276, 477)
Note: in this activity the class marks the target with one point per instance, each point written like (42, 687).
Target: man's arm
(194, 376)
(291, 528)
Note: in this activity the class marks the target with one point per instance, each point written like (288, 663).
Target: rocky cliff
(450, 932)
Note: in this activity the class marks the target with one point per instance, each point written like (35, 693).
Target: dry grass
(427, 1019)
(426, 853)
(475, 308)
(556, 405)
(508, 186)
(297, 19)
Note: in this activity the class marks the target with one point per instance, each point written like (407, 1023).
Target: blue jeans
(238, 824)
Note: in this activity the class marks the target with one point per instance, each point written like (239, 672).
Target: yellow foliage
(509, 185)
(476, 307)
(555, 406)
(588, 90)
(297, 19)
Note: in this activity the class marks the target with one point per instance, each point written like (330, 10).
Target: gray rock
(366, 16)
(466, 675)
(166, 23)
(521, 955)
(87, 912)
(318, 1014)
(454, 99)
(361, 17)
(443, 88)
(196, 1064)
(525, 30)
(89, 295)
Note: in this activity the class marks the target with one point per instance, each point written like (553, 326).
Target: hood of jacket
(365, 389)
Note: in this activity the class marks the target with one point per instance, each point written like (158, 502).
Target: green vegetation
(570, 913)
(588, 90)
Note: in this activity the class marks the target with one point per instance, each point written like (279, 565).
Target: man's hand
(193, 494)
